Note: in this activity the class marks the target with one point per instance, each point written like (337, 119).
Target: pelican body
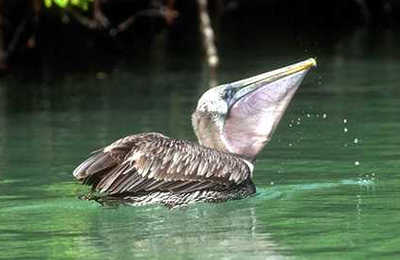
(232, 122)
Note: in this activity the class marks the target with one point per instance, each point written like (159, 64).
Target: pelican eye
(229, 93)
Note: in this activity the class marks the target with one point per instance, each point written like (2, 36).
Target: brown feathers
(153, 162)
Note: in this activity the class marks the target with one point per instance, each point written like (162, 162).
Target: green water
(327, 185)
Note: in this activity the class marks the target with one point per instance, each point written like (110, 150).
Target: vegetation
(98, 22)
(84, 4)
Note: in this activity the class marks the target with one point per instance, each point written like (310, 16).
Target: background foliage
(84, 4)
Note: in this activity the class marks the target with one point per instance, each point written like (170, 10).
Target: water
(322, 191)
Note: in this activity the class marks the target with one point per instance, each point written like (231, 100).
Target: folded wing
(152, 162)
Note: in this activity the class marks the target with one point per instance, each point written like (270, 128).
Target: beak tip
(313, 62)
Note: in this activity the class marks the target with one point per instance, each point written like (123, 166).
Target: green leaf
(62, 3)
(83, 4)
(48, 3)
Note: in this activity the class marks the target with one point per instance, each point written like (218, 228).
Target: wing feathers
(104, 161)
(153, 162)
(80, 171)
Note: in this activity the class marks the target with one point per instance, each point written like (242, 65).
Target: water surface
(327, 185)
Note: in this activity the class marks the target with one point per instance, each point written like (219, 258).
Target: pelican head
(240, 117)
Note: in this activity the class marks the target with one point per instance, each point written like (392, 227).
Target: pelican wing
(154, 162)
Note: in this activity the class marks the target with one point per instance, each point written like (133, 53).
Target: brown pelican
(232, 122)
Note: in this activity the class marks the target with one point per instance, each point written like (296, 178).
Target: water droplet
(308, 115)
(355, 140)
(345, 121)
(345, 129)
(290, 145)
(356, 163)
(324, 116)
(272, 183)
(290, 125)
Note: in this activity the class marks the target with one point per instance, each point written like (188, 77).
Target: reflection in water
(307, 192)
(73, 228)
(202, 230)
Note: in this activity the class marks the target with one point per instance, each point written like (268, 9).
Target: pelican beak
(256, 105)
(293, 73)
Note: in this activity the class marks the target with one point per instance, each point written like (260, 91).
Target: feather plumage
(153, 162)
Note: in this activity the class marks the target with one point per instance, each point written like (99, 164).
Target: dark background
(44, 43)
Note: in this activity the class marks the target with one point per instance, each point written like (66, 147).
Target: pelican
(232, 122)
